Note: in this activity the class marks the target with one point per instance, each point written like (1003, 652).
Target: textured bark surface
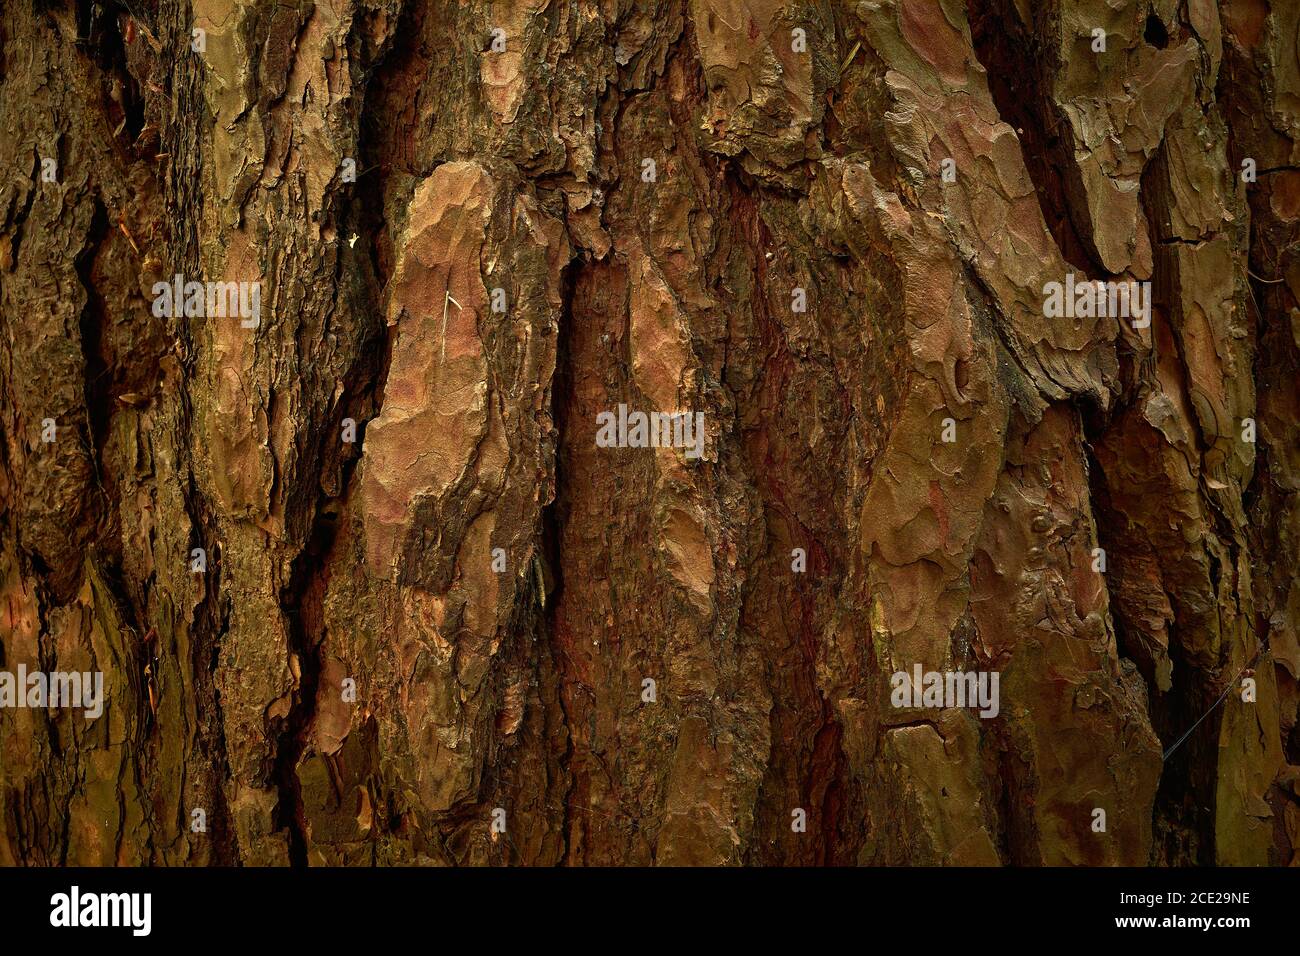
(776, 168)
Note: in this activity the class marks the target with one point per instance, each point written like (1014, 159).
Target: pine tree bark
(564, 653)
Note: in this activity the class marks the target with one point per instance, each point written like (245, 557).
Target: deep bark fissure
(1018, 78)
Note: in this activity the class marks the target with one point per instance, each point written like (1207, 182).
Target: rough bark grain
(775, 168)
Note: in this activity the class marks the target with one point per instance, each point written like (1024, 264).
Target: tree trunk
(369, 574)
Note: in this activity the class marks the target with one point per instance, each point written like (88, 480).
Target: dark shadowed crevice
(1155, 33)
(303, 597)
(98, 374)
(1183, 820)
(123, 104)
(554, 516)
(209, 623)
(302, 602)
(361, 282)
(1011, 58)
